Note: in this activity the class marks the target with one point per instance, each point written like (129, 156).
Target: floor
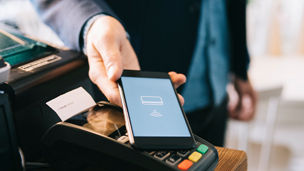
(287, 152)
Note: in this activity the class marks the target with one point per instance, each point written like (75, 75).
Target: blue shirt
(208, 74)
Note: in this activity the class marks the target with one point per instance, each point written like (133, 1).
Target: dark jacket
(163, 32)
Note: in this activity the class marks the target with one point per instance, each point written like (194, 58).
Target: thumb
(112, 59)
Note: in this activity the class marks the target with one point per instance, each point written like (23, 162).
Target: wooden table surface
(230, 159)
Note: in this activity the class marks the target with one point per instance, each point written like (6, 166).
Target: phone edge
(126, 115)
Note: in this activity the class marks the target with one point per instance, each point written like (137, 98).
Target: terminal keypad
(180, 159)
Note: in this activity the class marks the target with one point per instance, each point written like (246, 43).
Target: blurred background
(275, 29)
(274, 139)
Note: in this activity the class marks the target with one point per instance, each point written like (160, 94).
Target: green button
(202, 149)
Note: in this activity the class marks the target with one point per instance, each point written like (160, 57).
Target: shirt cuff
(86, 29)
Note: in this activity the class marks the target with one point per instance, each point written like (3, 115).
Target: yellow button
(195, 156)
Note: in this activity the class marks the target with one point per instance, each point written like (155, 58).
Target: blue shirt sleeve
(68, 17)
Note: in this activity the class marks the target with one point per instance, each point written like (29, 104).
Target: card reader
(103, 143)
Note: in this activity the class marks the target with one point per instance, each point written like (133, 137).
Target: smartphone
(154, 116)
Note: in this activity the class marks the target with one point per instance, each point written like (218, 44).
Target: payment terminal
(97, 139)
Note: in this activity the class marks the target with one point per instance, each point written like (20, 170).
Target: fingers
(246, 103)
(177, 79)
(112, 60)
(181, 99)
(104, 71)
(106, 36)
(109, 50)
(247, 109)
(248, 99)
(98, 75)
(110, 90)
(130, 60)
(233, 104)
(244, 111)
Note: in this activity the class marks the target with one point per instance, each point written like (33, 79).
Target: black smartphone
(154, 116)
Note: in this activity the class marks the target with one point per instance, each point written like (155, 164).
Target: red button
(185, 165)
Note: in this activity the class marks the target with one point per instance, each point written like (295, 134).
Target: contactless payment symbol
(156, 114)
(152, 100)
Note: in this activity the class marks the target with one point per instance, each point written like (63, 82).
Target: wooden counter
(230, 159)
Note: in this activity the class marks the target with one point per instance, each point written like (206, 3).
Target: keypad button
(161, 155)
(151, 152)
(195, 156)
(183, 153)
(202, 149)
(173, 159)
(185, 164)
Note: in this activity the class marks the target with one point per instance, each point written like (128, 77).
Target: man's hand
(244, 107)
(109, 52)
(178, 80)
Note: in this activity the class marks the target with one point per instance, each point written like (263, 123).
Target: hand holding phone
(153, 113)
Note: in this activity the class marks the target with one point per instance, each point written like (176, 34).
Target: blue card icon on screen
(152, 100)
(156, 114)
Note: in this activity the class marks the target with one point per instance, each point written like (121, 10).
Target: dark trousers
(210, 123)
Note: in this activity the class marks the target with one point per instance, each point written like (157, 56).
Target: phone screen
(153, 108)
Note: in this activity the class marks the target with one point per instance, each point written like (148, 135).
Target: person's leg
(210, 124)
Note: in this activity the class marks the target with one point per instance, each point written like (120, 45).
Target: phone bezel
(154, 142)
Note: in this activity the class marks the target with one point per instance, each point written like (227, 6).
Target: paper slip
(71, 103)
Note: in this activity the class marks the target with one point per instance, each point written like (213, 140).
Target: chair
(260, 129)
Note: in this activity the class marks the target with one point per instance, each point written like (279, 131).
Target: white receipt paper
(71, 103)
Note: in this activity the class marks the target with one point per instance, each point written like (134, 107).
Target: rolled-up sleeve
(67, 17)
